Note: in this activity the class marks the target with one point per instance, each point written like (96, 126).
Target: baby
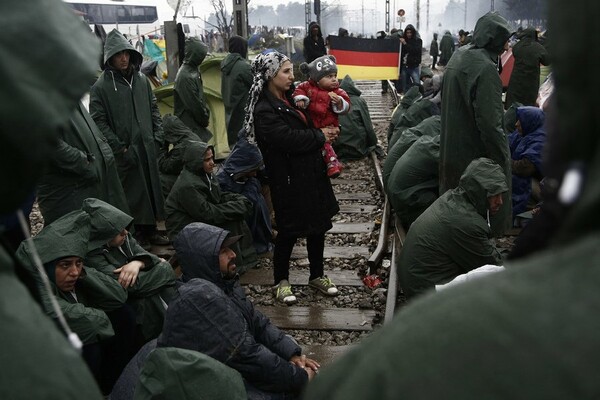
(322, 96)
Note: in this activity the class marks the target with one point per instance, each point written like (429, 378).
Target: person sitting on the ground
(196, 197)
(413, 184)
(170, 162)
(212, 315)
(148, 279)
(238, 175)
(453, 235)
(359, 137)
(526, 145)
(420, 110)
(322, 96)
(413, 94)
(428, 127)
(92, 303)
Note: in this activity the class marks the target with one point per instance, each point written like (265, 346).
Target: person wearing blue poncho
(526, 144)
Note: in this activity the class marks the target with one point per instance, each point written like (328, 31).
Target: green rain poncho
(427, 127)
(472, 111)
(81, 166)
(357, 137)
(525, 78)
(408, 99)
(96, 293)
(452, 236)
(236, 80)
(41, 40)
(127, 115)
(173, 373)
(196, 197)
(155, 281)
(529, 332)
(188, 93)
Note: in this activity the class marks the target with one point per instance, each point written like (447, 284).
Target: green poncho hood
(482, 178)
(106, 222)
(66, 237)
(173, 373)
(193, 158)
(38, 94)
(195, 52)
(491, 32)
(175, 130)
(116, 42)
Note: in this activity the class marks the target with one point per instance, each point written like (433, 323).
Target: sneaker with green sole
(283, 292)
(324, 285)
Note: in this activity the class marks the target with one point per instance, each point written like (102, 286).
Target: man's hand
(128, 273)
(305, 362)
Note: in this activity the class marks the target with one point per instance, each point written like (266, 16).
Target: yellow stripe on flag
(367, 73)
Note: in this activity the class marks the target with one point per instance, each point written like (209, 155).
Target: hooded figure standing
(524, 81)
(212, 315)
(446, 48)
(314, 45)
(124, 108)
(236, 80)
(472, 111)
(188, 94)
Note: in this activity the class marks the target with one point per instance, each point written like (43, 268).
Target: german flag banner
(366, 59)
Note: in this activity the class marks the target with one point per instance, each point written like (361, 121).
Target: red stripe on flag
(363, 58)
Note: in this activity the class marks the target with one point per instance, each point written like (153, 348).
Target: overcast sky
(360, 12)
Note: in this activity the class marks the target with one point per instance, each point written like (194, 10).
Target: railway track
(356, 246)
(327, 327)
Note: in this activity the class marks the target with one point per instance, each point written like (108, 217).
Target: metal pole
(465, 22)
(363, 16)
(418, 15)
(387, 15)
(492, 5)
(427, 15)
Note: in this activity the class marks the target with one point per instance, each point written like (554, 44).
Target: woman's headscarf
(264, 68)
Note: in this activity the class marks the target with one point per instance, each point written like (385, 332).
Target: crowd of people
(89, 311)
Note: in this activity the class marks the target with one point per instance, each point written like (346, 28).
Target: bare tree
(224, 21)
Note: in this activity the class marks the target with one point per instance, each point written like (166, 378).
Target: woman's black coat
(302, 195)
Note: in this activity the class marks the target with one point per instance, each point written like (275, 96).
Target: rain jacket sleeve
(480, 250)
(100, 293)
(159, 136)
(90, 324)
(193, 99)
(71, 159)
(199, 208)
(101, 118)
(489, 115)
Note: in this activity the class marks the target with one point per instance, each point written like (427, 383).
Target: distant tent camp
(211, 78)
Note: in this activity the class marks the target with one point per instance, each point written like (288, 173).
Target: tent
(211, 79)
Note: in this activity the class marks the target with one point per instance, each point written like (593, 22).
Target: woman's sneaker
(324, 285)
(283, 292)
